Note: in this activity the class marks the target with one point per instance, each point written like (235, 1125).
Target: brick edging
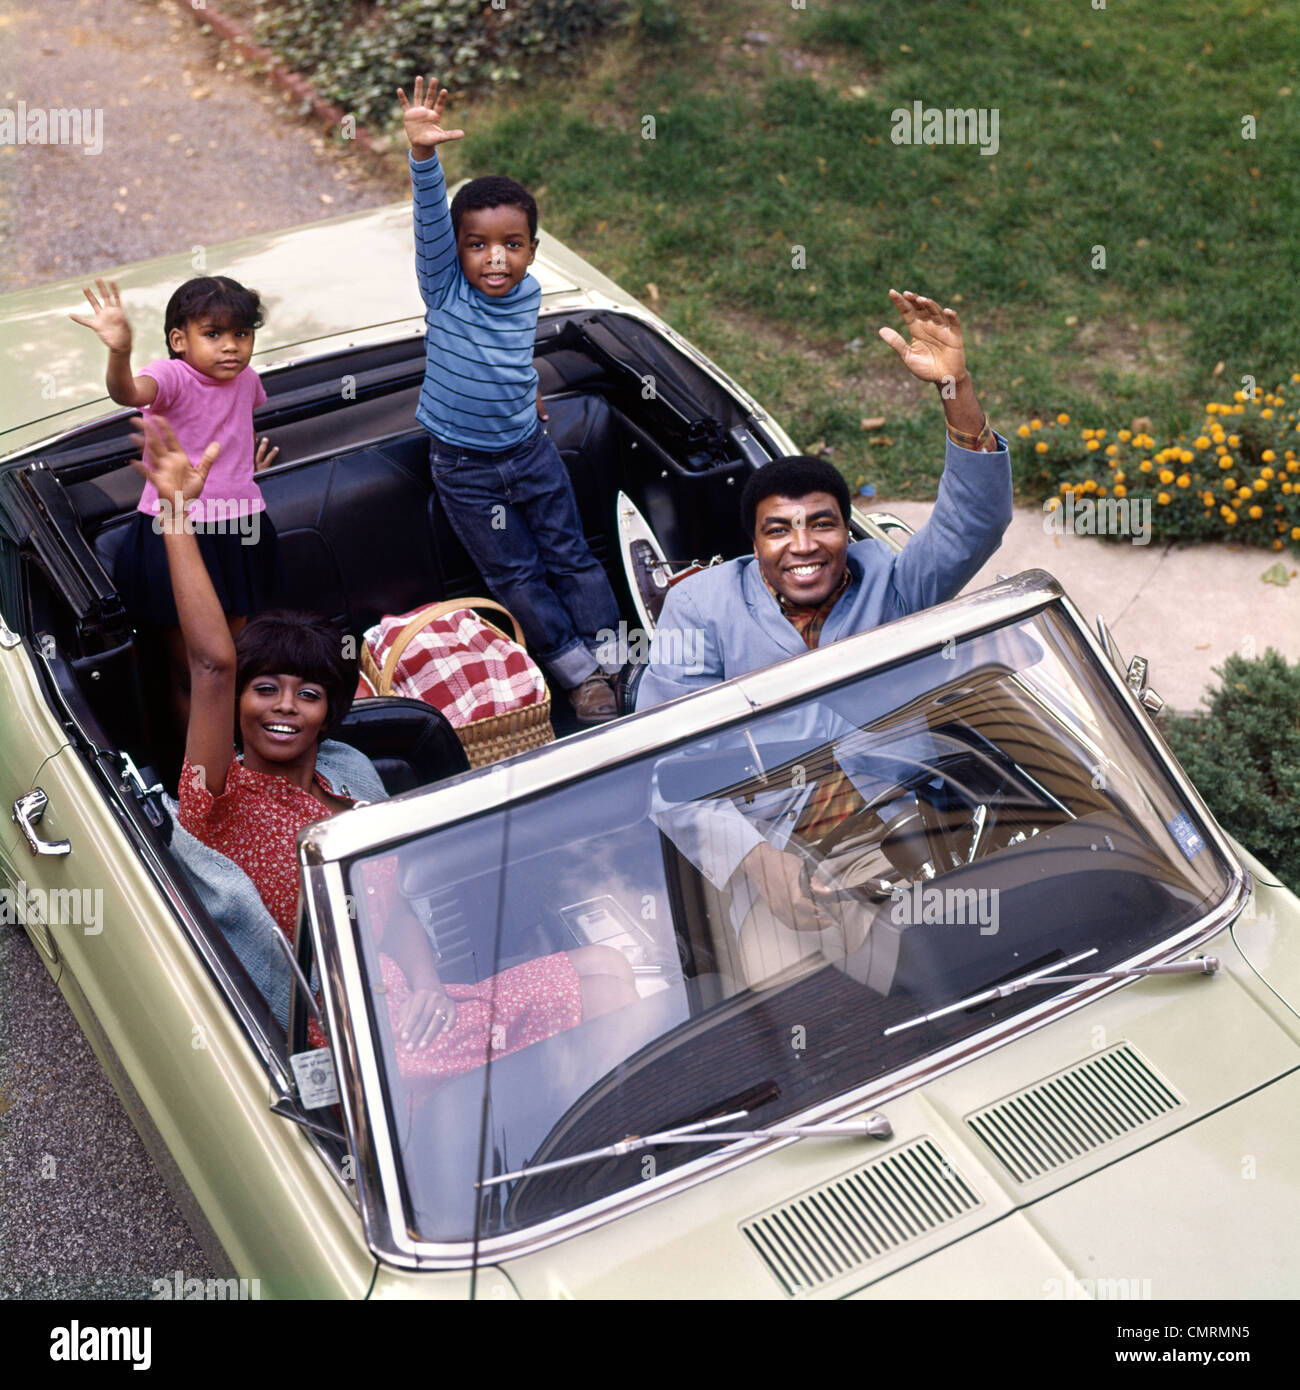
(297, 86)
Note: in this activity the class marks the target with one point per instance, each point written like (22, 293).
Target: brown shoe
(593, 701)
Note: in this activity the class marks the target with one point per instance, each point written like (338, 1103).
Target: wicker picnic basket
(495, 736)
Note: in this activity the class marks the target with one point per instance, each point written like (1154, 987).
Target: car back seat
(363, 534)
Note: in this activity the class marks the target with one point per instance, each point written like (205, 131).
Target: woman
(289, 686)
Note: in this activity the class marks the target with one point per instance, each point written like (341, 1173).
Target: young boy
(499, 477)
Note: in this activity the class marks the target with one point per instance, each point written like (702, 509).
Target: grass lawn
(1118, 128)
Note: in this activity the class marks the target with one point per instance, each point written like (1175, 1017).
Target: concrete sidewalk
(1184, 607)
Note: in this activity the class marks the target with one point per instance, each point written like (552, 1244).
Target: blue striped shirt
(480, 385)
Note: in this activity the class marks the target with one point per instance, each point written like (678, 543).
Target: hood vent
(837, 1228)
(1079, 1110)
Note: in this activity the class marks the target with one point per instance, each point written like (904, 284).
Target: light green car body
(1197, 1202)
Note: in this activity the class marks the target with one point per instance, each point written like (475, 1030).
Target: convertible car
(1045, 1047)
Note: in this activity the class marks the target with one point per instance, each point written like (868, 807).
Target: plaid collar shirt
(808, 620)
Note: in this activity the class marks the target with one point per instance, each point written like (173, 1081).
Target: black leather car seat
(410, 743)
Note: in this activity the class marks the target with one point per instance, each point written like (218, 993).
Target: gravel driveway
(195, 151)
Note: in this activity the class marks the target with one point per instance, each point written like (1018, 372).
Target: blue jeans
(516, 515)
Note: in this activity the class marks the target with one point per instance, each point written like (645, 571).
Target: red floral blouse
(255, 822)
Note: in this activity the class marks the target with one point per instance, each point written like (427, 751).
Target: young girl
(288, 685)
(206, 390)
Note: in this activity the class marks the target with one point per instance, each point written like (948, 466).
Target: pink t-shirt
(200, 410)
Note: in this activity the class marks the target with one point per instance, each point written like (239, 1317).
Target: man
(806, 585)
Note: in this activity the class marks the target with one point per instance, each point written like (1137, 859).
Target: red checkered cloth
(461, 665)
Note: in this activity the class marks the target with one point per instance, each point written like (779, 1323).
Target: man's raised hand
(109, 318)
(424, 123)
(936, 351)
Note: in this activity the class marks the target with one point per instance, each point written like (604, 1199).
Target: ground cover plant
(356, 52)
(737, 166)
(1234, 477)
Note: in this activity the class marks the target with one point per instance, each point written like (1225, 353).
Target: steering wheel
(923, 840)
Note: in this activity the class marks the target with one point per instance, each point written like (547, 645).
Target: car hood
(1197, 1201)
(1196, 1205)
(53, 370)
(1195, 1216)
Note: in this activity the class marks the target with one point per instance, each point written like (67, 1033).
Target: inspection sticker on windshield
(314, 1072)
(1182, 829)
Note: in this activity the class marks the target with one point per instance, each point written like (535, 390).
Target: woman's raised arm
(209, 738)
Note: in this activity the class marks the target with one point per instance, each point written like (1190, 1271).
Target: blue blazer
(724, 622)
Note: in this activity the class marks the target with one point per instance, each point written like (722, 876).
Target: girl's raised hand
(166, 464)
(424, 123)
(265, 456)
(109, 318)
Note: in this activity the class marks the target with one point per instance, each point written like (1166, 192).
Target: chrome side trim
(884, 521)
(64, 710)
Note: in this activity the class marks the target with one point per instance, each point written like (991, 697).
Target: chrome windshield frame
(369, 828)
(326, 846)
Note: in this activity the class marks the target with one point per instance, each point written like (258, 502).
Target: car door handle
(27, 813)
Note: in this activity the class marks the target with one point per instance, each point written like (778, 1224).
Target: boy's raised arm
(110, 322)
(424, 123)
(435, 242)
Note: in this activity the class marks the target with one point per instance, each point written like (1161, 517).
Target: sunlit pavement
(1184, 607)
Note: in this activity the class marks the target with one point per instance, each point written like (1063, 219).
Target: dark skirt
(244, 568)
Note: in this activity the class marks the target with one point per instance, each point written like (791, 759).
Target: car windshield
(783, 892)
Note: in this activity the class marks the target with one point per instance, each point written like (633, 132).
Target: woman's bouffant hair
(217, 297)
(297, 644)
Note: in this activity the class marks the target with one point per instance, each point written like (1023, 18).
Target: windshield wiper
(1046, 975)
(872, 1127)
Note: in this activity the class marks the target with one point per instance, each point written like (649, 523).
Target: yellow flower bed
(1254, 442)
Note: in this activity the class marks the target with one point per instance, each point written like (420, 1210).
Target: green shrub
(1244, 756)
(358, 54)
(1235, 478)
